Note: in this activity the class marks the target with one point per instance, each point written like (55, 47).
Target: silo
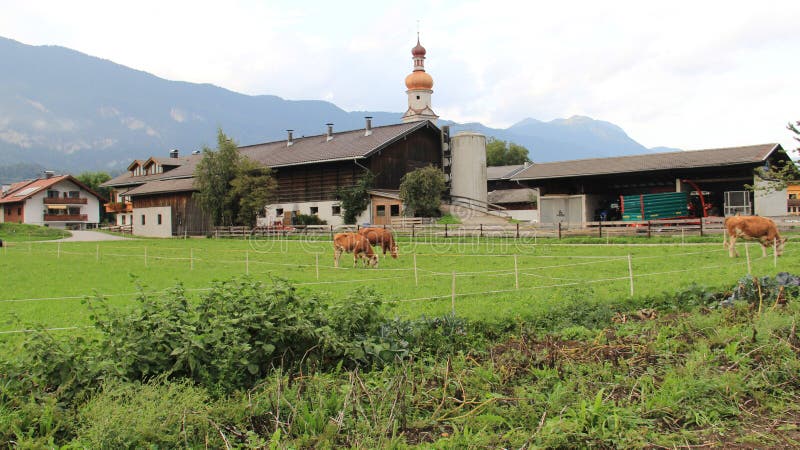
(468, 169)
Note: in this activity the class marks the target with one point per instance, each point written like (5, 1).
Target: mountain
(73, 112)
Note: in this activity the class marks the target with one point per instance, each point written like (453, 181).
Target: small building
(58, 201)
(520, 204)
(586, 190)
(793, 201)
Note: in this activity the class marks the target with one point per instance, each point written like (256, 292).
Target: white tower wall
(468, 169)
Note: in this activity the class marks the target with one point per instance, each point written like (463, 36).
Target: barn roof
(163, 186)
(502, 172)
(501, 196)
(344, 145)
(186, 166)
(732, 156)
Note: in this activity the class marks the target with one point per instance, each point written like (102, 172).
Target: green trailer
(667, 205)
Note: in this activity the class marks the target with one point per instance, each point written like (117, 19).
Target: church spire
(420, 87)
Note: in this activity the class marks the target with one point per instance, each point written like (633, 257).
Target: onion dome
(419, 50)
(419, 80)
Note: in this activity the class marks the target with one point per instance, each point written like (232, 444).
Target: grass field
(44, 282)
(18, 232)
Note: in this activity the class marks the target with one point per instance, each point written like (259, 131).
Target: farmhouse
(58, 201)
(154, 198)
(583, 190)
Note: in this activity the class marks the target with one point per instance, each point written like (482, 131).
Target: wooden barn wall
(187, 216)
(420, 149)
(314, 182)
(320, 182)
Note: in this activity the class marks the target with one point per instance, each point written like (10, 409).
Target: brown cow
(752, 227)
(358, 245)
(382, 237)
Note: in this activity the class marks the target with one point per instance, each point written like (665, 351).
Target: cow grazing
(357, 245)
(752, 227)
(382, 237)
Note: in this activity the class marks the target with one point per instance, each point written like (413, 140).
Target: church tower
(420, 88)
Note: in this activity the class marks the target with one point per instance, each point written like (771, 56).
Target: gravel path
(91, 236)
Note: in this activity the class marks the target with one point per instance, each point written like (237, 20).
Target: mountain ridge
(71, 111)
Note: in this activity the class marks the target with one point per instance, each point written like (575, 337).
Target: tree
(94, 180)
(213, 177)
(776, 176)
(421, 191)
(502, 153)
(231, 188)
(355, 199)
(251, 190)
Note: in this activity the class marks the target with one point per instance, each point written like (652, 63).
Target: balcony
(66, 218)
(65, 200)
(119, 207)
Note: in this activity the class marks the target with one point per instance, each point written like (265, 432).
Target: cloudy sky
(685, 74)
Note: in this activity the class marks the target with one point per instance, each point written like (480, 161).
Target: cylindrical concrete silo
(468, 169)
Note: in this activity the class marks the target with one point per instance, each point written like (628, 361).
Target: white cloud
(684, 73)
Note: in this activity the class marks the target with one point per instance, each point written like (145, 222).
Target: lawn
(18, 232)
(45, 283)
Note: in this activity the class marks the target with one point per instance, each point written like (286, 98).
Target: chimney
(49, 174)
(368, 126)
(329, 136)
(173, 153)
(289, 140)
(527, 164)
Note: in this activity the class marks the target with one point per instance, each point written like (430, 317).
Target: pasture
(44, 283)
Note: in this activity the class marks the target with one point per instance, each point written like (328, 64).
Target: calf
(356, 244)
(382, 237)
(752, 227)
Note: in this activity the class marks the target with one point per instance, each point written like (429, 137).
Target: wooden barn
(584, 190)
(155, 199)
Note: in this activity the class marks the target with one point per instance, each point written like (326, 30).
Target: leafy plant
(355, 199)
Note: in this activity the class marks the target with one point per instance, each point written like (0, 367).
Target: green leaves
(355, 200)
(502, 153)
(421, 191)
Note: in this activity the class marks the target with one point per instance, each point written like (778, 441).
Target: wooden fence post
(413, 232)
(445, 230)
(747, 252)
(630, 272)
(774, 252)
(453, 295)
(701, 226)
(559, 231)
(648, 229)
(480, 233)
(517, 230)
(316, 258)
(600, 229)
(416, 278)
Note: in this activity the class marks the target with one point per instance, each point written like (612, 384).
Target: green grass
(44, 283)
(18, 232)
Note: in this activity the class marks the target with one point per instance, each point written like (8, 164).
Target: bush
(309, 219)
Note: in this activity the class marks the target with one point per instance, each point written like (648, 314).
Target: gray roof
(502, 196)
(753, 154)
(344, 145)
(185, 169)
(163, 186)
(502, 172)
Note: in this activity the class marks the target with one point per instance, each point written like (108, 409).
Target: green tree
(251, 190)
(355, 199)
(94, 180)
(231, 188)
(421, 191)
(777, 175)
(503, 153)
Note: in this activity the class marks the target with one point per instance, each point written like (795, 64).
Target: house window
(314, 210)
(74, 194)
(52, 194)
(158, 219)
(394, 210)
(19, 211)
(142, 219)
(123, 220)
(792, 196)
(380, 210)
(278, 211)
(336, 210)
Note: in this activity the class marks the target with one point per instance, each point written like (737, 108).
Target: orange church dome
(419, 80)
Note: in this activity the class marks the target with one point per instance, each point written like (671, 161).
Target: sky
(684, 74)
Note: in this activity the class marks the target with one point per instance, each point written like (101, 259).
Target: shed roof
(163, 186)
(501, 196)
(502, 172)
(731, 156)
